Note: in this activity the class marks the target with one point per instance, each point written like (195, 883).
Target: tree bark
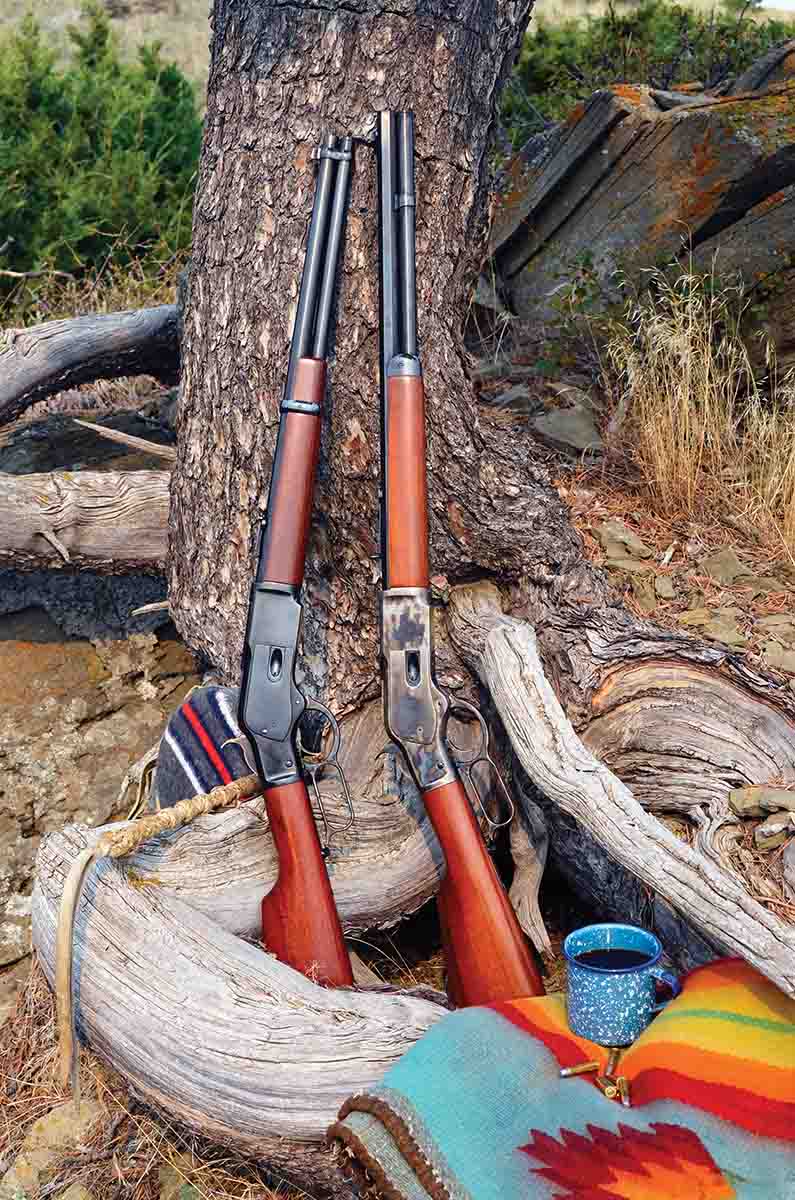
(114, 522)
(278, 76)
(49, 358)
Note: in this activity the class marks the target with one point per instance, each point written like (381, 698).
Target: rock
(762, 585)
(695, 616)
(723, 629)
(628, 564)
(724, 566)
(643, 590)
(15, 943)
(773, 799)
(503, 368)
(73, 716)
(618, 541)
(775, 655)
(570, 428)
(780, 628)
(664, 587)
(76, 1192)
(11, 981)
(774, 831)
(695, 601)
(744, 802)
(62, 1127)
(788, 864)
(518, 398)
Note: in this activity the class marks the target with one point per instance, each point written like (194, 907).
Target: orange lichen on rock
(628, 91)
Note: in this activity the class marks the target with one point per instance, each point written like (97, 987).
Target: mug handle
(670, 981)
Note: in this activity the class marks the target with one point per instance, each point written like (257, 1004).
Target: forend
(271, 704)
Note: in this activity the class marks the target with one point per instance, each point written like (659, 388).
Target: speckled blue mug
(612, 1005)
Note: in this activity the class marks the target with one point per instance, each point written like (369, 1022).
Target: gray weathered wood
(709, 896)
(48, 358)
(106, 521)
(209, 1028)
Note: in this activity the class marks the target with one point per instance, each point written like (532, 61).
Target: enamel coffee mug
(612, 971)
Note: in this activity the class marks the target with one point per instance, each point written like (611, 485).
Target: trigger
(242, 744)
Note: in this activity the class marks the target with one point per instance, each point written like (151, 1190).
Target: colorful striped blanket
(476, 1110)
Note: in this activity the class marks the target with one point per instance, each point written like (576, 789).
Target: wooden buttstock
(485, 951)
(300, 923)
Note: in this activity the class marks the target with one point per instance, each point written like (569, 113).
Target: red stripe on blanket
(565, 1049)
(757, 1114)
(209, 748)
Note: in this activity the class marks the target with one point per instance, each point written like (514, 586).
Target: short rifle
(486, 955)
(300, 923)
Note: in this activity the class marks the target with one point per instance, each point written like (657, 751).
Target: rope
(116, 843)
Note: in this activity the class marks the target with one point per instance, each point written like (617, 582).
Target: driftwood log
(210, 1029)
(107, 521)
(44, 359)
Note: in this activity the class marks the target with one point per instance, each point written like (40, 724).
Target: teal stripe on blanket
(482, 1085)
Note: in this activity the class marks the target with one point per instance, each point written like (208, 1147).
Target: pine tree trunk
(278, 77)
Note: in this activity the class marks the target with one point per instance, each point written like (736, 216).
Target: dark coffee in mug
(613, 959)
(613, 971)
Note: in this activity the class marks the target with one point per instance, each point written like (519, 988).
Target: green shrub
(98, 157)
(655, 42)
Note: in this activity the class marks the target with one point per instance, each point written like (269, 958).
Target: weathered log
(44, 359)
(687, 717)
(111, 522)
(210, 1029)
(624, 186)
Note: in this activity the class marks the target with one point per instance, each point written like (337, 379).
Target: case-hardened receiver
(414, 707)
(271, 703)
(417, 711)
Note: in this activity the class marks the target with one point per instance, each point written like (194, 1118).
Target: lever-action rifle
(300, 923)
(486, 955)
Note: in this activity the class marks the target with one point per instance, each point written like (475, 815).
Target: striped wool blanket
(476, 1110)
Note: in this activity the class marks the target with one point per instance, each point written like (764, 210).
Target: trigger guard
(313, 705)
(476, 753)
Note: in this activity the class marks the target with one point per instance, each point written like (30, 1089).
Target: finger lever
(316, 763)
(466, 759)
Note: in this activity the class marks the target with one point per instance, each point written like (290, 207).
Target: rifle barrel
(318, 230)
(405, 205)
(336, 225)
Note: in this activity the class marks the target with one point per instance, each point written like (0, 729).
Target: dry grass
(704, 432)
(129, 1148)
(182, 26)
